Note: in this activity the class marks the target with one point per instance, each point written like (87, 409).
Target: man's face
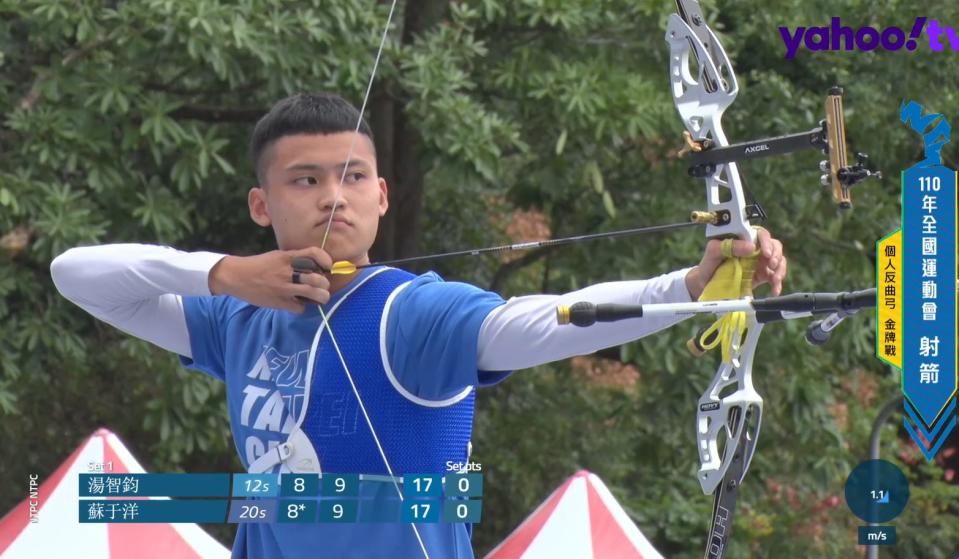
(302, 176)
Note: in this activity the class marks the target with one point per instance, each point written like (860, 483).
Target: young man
(378, 380)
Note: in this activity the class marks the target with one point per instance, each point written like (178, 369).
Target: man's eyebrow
(317, 167)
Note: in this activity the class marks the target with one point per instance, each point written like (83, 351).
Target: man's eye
(355, 177)
(305, 181)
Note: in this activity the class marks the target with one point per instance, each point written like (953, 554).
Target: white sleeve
(136, 287)
(524, 333)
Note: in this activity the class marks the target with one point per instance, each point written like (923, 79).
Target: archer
(372, 372)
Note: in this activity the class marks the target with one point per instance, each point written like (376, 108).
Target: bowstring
(326, 234)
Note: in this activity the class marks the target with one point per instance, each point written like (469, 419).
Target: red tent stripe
(60, 534)
(521, 538)
(590, 526)
(127, 540)
(608, 537)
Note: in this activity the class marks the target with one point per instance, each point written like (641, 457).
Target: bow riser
(701, 97)
(701, 109)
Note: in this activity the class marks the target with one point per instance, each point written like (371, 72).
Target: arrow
(344, 267)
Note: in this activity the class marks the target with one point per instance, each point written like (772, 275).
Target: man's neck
(339, 281)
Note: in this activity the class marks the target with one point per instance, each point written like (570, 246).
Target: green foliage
(128, 122)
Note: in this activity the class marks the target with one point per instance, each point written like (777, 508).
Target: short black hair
(304, 113)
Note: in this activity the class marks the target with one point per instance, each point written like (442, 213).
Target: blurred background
(495, 121)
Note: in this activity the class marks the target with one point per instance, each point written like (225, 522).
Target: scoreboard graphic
(290, 498)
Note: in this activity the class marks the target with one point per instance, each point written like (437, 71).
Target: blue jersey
(410, 344)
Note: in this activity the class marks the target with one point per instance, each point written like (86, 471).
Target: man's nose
(331, 193)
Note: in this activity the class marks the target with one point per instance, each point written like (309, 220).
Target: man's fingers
(310, 293)
(320, 258)
(313, 280)
(779, 276)
(775, 257)
(742, 248)
(764, 242)
(305, 264)
(771, 265)
(774, 276)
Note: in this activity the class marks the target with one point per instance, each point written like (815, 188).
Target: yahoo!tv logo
(837, 36)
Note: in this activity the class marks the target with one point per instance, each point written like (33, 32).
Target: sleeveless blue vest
(418, 436)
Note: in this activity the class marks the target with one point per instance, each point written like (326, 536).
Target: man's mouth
(336, 221)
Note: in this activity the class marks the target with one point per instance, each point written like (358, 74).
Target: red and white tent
(57, 531)
(580, 520)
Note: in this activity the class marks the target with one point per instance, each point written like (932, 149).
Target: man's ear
(259, 212)
(384, 197)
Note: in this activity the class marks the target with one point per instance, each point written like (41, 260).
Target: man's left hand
(770, 264)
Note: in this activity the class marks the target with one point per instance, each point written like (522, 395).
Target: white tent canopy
(59, 533)
(580, 520)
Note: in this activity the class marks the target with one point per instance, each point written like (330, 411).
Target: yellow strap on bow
(732, 280)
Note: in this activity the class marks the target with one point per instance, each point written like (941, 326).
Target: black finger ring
(296, 277)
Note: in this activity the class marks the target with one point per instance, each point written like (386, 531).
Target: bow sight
(704, 85)
(829, 136)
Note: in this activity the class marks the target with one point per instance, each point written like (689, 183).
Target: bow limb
(326, 323)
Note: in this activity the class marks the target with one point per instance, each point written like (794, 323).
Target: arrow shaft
(527, 245)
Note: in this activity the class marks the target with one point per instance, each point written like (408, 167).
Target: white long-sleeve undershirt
(138, 288)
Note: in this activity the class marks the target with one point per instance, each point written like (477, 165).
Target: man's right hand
(266, 280)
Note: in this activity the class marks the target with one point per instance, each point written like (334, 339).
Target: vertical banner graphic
(889, 299)
(917, 278)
